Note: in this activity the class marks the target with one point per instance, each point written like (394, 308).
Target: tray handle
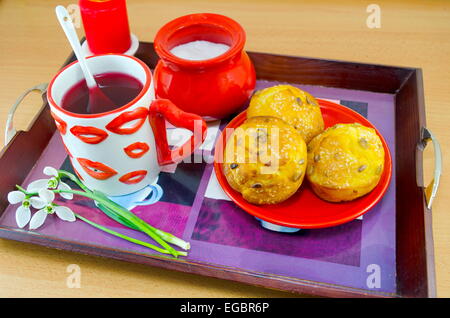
(10, 131)
(431, 189)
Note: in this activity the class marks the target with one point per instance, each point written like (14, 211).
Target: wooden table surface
(412, 33)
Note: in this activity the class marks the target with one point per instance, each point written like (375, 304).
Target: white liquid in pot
(199, 50)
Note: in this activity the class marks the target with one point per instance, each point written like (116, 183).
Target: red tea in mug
(118, 87)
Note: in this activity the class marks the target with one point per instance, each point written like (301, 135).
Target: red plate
(304, 209)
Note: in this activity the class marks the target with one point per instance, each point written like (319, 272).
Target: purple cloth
(222, 234)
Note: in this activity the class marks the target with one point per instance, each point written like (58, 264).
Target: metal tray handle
(10, 131)
(431, 189)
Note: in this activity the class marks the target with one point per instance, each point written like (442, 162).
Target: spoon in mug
(97, 99)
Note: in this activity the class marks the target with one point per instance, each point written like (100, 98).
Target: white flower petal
(38, 219)
(36, 185)
(65, 186)
(64, 213)
(23, 216)
(37, 202)
(50, 171)
(46, 195)
(15, 197)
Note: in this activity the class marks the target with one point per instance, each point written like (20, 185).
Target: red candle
(106, 25)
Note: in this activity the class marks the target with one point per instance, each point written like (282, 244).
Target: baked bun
(294, 106)
(345, 162)
(265, 160)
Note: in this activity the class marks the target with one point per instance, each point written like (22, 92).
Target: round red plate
(304, 209)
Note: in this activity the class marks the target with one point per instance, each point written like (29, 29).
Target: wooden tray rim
(42, 118)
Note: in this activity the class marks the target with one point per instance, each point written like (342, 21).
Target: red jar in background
(106, 25)
(212, 88)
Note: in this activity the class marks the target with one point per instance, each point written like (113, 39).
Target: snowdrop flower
(53, 183)
(23, 213)
(44, 203)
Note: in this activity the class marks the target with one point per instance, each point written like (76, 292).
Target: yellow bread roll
(293, 105)
(265, 160)
(345, 162)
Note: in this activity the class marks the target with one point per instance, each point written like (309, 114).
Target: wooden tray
(414, 260)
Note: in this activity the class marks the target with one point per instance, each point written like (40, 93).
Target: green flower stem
(171, 238)
(127, 238)
(143, 226)
(72, 177)
(127, 215)
(168, 237)
(24, 191)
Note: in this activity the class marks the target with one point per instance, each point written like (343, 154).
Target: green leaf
(100, 194)
(125, 215)
(130, 239)
(116, 217)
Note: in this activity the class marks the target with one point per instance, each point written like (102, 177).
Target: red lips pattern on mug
(94, 135)
(136, 150)
(60, 124)
(135, 119)
(89, 134)
(133, 177)
(124, 124)
(96, 169)
(101, 171)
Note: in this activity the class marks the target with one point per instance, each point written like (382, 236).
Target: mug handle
(162, 110)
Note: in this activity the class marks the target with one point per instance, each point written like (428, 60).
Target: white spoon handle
(66, 23)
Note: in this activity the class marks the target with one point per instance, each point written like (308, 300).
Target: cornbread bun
(294, 106)
(265, 160)
(345, 162)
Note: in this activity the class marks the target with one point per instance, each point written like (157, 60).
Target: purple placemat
(359, 254)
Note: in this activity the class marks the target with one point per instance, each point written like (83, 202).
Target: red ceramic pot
(212, 88)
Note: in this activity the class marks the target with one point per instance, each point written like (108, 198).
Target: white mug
(120, 151)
